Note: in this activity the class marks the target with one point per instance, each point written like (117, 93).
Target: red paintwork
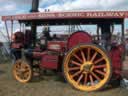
(115, 55)
(39, 54)
(68, 15)
(59, 46)
(49, 61)
(77, 38)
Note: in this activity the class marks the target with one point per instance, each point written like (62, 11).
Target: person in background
(46, 32)
(126, 46)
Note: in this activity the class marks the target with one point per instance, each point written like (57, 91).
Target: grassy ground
(47, 86)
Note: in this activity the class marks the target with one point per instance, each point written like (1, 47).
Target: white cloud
(89, 5)
(16, 1)
(59, 5)
(8, 8)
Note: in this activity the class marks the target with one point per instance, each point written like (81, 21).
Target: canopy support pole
(7, 31)
(98, 29)
(11, 28)
(122, 39)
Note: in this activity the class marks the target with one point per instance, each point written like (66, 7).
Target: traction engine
(86, 61)
(86, 64)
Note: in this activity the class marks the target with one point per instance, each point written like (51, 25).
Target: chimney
(35, 5)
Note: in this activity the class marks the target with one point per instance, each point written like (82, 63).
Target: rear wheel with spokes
(87, 67)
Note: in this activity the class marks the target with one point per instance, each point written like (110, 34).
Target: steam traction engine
(87, 62)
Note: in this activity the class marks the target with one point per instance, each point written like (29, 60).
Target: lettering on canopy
(68, 15)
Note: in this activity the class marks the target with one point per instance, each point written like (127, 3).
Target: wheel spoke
(83, 56)
(75, 63)
(22, 76)
(88, 56)
(18, 73)
(99, 66)
(94, 75)
(17, 66)
(99, 60)
(26, 74)
(74, 68)
(93, 57)
(85, 79)
(77, 73)
(77, 58)
(91, 79)
(22, 66)
(25, 77)
(27, 67)
(26, 71)
(100, 72)
(18, 63)
(79, 79)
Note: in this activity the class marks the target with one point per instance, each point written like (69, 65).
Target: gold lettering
(88, 14)
(121, 14)
(109, 14)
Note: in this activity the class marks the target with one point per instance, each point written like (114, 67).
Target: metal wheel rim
(87, 81)
(22, 71)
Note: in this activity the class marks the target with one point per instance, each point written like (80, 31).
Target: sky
(12, 7)
(23, 6)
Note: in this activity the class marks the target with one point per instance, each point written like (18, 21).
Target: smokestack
(35, 5)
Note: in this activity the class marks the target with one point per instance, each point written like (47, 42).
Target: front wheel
(87, 67)
(22, 71)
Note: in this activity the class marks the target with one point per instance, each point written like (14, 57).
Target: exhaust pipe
(35, 6)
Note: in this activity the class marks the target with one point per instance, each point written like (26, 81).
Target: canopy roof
(66, 17)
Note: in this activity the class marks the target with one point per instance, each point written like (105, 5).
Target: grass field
(46, 86)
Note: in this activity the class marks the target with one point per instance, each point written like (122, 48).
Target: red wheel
(87, 67)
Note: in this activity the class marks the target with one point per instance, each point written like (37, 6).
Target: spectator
(126, 46)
